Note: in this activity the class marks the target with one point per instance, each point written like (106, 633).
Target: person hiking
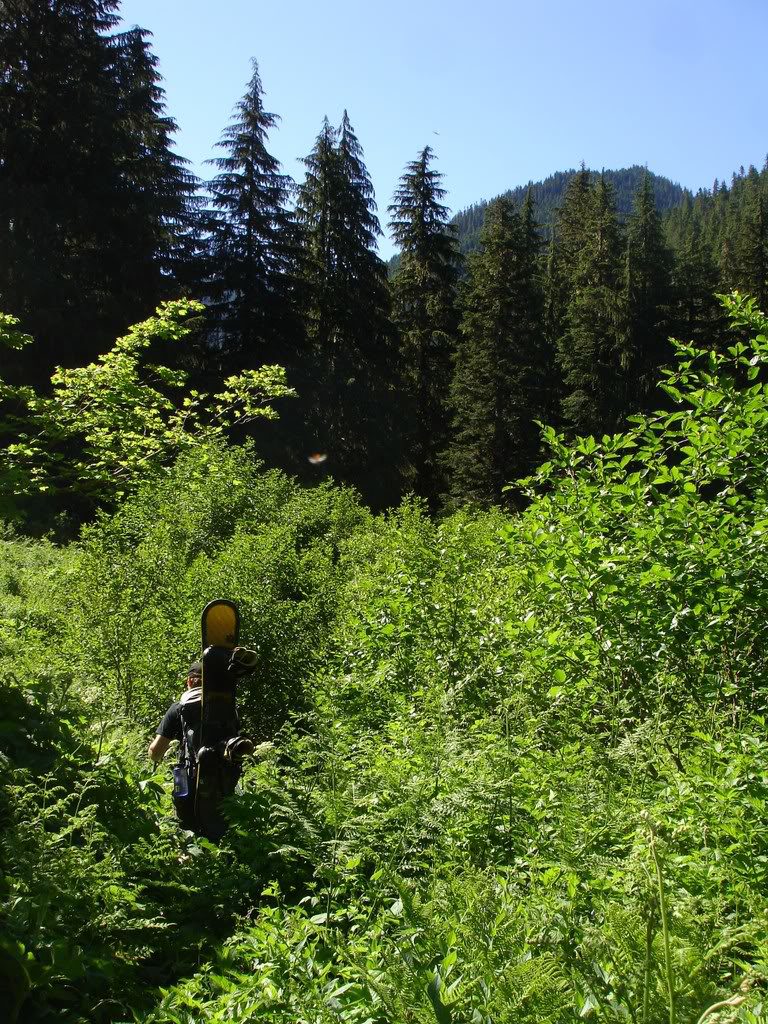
(221, 759)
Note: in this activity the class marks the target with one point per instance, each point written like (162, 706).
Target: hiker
(221, 758)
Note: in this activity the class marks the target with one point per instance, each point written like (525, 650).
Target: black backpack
(190, 708)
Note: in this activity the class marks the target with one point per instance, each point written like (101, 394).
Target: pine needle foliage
(96, 209)
(349, 361)
(252, 244)
(500, 361)
(593, 350)
(425, 313)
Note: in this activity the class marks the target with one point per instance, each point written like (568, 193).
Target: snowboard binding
(242, 662)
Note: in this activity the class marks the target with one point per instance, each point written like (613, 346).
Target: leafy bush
(521, 764)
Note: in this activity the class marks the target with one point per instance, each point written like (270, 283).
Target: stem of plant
(647, 971)
(665, 931)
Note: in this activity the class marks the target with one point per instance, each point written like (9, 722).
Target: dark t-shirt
(170, 727)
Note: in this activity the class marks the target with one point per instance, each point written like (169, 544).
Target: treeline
(431, 382)
(548, 196)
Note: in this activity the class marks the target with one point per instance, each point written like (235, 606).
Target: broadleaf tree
(102, 428)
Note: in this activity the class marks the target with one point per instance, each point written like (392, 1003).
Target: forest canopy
(111, 223)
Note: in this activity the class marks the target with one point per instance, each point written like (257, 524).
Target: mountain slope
(548, 195)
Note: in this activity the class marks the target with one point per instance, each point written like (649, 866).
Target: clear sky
(504, 92)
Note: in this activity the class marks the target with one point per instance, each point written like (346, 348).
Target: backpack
(190, 711)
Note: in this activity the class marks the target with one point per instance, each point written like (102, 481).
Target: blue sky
(504, 92)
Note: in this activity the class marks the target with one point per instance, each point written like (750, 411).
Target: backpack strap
(190, 709)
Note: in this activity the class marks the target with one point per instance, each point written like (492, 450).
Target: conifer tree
(648, 282)
(593, 350)
(56, 161)
(346, 304)
(91, 196)
(555, 300)
(252, 245)
(751, 239)
(424, 297)
(499, 361)
(574, 219)
(157, 220)
(696, 315)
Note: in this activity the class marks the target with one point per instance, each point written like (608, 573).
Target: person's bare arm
(158, 747)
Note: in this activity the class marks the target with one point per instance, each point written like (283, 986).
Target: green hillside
(548, 196)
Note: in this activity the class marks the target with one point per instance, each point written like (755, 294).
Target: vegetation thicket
(520, 761)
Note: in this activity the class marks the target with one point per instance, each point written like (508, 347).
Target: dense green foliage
(520, 764)
(520, 758)
(99, 222)
(106, 425)
(103, 222)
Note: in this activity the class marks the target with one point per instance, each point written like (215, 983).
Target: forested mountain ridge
(548, 196)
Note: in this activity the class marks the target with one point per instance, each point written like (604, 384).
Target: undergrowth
(520, 768)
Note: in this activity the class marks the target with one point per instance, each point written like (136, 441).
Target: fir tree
(157, 221)
(56, 163)
(91, 196)
(346, 306)
(593, 351)
(252, 245)
(499, 361)
(696, 315)
(424, 293)
(648, 283)
(751, 239)
(574, 218)
(555, 302)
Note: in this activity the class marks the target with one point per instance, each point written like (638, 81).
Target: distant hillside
(548, 195)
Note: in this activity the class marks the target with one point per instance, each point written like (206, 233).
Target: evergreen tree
(593, 351)
(252, 243)
(157, 219)
(91, 198)
(346, 305)
(696, 315)
(573, 220)
(500, 360)
(648, 284)
(424, 293)
(56, 161)
(555, 302)
(751, 239)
